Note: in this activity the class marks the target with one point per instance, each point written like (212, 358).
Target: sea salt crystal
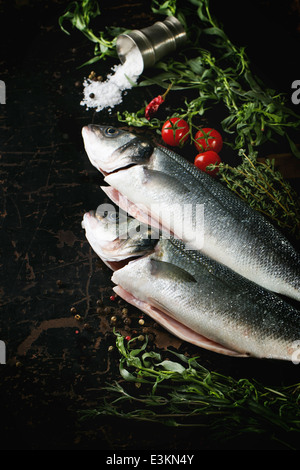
(107, 94)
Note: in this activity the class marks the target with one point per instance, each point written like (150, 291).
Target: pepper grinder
(152, 43)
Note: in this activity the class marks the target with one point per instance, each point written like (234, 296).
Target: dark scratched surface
(55, 292)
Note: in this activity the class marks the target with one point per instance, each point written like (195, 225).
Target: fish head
(135, 277)
(150, 278)
(100, 233)
(104, 226)
(115, 236)
(109, 148)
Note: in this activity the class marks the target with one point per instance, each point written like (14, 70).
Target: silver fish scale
(246, 237)
(221, 292)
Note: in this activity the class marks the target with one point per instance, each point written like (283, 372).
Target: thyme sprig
(182, 393)
(265, 189)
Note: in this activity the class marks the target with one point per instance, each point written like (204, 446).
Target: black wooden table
(55, 292)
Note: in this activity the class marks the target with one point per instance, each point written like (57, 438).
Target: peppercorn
(92, 75)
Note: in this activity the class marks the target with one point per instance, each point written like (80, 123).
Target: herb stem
(263, 178)
(185, 394)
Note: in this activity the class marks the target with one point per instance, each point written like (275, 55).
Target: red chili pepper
(154, 104)
(128, 338)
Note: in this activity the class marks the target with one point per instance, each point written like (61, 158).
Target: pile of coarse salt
(108, 93)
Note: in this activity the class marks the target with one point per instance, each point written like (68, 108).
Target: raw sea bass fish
(153, 180)
(198, 299)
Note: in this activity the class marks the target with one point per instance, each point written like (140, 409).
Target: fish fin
(163, 269)
(163, 179)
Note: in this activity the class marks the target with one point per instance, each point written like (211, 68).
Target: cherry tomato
(206, 158)
(208, 139)
(175, 131)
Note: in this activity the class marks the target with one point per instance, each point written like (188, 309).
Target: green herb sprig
(220, 74)
(183, 393)
(264, 189)
(80, 14)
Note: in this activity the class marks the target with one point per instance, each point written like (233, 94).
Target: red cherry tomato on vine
(175, 131)
(208, 139)
(206, 158)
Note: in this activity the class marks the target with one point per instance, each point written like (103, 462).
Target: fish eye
(111, 131)
(109, 216)
(113, 216)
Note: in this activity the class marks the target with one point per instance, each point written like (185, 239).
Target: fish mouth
(174, 326)
(116, 170)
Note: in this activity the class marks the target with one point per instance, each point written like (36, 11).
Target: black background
(55, 362)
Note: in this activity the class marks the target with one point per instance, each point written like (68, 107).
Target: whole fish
(157, 186)
(196, 298)
(208, 304)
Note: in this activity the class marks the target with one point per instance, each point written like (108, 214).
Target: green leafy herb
(167, 7)
(181, 392)
(80, 15)
(138, 119)
(220, 74)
